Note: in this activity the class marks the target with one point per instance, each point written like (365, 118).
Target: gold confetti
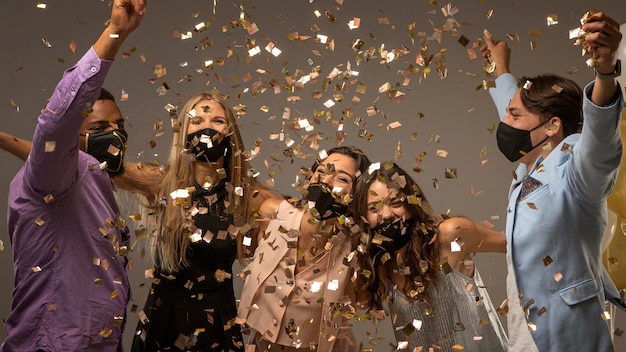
(50, 146)
(394, 125)
(450, 173)
(105, 332)
(221, 275)
(527, 85)
(330, 16)
(552, 20)
(547, 260)
(542, 311)
(118, 321)
(486, 84)
(354, 23)
(535, 33)
(159, 71)
(557, 88)
(463, 40)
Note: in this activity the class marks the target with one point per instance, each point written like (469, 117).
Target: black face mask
(398, 234)
(515, 143)
(109, 146)
(328, 205)
(208, 145)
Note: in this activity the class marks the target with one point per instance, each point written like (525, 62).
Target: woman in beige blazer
(294, 292)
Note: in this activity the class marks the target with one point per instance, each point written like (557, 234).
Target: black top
(194, 309)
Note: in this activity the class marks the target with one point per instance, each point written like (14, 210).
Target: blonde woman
(200, 216)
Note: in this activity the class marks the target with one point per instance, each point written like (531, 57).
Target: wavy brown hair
(422, 256)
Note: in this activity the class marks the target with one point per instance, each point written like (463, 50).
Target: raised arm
(497, 55)
(16, 146)
(52, 165)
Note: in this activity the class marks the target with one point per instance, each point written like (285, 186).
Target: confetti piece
(552, 20)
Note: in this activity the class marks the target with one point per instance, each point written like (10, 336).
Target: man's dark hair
(552, 95)
(106, 95)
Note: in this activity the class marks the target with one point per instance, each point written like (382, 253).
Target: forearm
(109, 43)
(469, 236)
(141, 178)
(506, 86)
(491, 241)
(16, 146)
(604, 91)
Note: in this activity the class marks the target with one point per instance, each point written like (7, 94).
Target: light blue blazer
(554, 235)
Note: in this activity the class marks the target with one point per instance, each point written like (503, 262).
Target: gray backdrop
(447, 123)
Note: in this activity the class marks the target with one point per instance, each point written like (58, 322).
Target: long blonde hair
(174, 223)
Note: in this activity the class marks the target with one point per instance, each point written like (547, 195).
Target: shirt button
(93, 69)
(274, 322)
(72, 93)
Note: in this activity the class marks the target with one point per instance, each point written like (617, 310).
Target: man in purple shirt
(68, 240)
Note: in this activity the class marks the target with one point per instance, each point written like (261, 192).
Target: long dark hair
(422, 257)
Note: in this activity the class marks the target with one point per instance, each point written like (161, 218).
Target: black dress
(194, 309)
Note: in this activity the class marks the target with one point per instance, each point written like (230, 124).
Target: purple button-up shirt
(68, 240)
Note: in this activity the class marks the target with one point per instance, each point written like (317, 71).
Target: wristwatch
(616, 73)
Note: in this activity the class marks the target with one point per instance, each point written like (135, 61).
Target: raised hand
(602, 40)
(126, 15)
(496, 52)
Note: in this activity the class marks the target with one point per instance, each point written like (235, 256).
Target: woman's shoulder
(270, 206)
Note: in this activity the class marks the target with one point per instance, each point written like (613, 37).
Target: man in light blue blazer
(556, 215)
